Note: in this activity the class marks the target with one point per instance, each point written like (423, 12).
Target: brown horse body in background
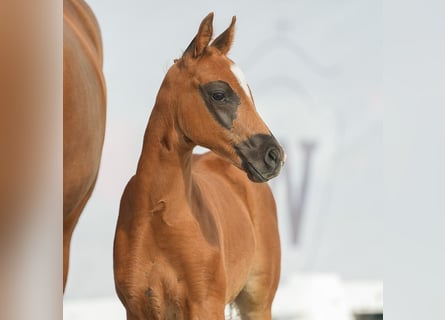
(194, 232)
(84, 111)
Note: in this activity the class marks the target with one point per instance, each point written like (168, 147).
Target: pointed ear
(202, 39)
(225, 39)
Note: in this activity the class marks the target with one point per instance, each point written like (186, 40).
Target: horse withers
(195, 232)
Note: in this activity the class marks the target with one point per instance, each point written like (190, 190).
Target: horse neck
(164, 168)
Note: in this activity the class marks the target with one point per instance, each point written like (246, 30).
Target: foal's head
(213, 106)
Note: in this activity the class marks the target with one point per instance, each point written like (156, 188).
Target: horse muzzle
(261, 156)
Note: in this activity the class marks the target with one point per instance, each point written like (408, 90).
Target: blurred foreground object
(30, 159)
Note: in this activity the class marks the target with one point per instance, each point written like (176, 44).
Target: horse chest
(224, 214)
(207, 246)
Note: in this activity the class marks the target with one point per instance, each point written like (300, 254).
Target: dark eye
(218, 96)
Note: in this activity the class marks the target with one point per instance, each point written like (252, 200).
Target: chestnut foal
(194, 232)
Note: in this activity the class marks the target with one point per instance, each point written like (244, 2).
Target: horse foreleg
(210, 309)
(253, 306)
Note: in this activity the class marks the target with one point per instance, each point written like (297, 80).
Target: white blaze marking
(241, 79)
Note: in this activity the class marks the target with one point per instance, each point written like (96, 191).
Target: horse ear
(225, 39)
(202, 39)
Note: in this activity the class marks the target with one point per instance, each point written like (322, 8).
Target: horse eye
(218, 96)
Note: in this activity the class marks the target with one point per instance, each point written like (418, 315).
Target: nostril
(272, 156)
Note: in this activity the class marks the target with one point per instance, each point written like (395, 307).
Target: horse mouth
(254, 174)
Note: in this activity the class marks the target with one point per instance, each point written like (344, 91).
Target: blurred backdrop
(314, 68)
